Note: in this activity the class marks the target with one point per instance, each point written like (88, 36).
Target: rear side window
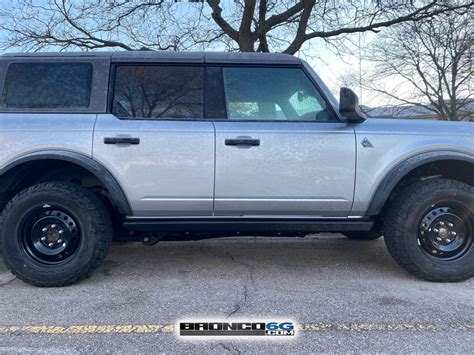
(158, 92)
(47, 85)
(281, 94)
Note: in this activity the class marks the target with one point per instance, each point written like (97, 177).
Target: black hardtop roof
(164, 56)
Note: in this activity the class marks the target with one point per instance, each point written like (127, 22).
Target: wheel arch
(403, 170)
(117, 195)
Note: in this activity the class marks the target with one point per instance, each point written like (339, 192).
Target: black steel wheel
(54, 234)
(429, 230)
(50, 235)
(446, 231)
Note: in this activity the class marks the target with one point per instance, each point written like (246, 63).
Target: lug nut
(450, 225)
(453, 233)
(436, 230)
(53, 226)
(50, 245)
(441, 223)
(438, 239)
(43, 239)
(61, 231)
(60, 241)
(44, 229)
(448, 240)
(64, 244)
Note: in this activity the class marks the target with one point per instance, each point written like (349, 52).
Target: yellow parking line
(385, 326)
(169, 328)
(89, 329)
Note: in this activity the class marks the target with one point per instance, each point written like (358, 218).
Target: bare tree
(427, 64)
(245, 25)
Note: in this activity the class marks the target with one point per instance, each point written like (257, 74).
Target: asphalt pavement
(343, 295)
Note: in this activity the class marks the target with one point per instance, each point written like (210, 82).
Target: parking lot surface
(345, 295)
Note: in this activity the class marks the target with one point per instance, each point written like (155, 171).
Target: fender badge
(366, 143)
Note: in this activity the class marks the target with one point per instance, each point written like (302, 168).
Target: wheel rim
(445, 231)
(50, 235)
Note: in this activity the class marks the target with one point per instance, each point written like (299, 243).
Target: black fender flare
(394, 176)
(119, 200)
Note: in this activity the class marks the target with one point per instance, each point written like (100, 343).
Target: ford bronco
(149, 144)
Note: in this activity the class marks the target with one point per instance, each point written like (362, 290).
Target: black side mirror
(349, 106)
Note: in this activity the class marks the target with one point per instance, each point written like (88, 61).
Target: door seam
(215, 167)
(355, 171)
(93, 135)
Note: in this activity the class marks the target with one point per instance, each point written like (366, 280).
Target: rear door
(281, 150)
(155, 140)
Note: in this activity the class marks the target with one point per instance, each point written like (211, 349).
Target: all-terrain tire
(363, 235)
(74, 207)
(412, 232)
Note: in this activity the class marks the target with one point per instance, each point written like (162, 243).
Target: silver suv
(148, 145)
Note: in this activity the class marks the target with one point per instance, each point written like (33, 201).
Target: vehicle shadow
(324, 254)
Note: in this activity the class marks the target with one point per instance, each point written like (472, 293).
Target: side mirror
(349, 106)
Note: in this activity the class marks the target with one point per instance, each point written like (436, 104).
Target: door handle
(121, 140)
(242, 141)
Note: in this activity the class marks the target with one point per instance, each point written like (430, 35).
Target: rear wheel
(54, 234)
(363, 235)
(429, 230)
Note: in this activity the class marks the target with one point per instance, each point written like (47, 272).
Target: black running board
(247, 226)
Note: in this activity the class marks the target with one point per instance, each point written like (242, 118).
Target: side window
(47, 85)
(284, 94)
(158, 92)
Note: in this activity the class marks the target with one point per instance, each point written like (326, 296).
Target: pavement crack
(241, 303)
(230, 348)
(7, 281)
(246, 285)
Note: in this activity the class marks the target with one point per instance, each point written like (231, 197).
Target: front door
(155, 141)
(281, 150)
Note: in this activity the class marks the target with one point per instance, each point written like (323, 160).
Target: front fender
(396, 174)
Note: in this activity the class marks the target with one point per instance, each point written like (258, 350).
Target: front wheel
(54, 234)
(429, 230)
